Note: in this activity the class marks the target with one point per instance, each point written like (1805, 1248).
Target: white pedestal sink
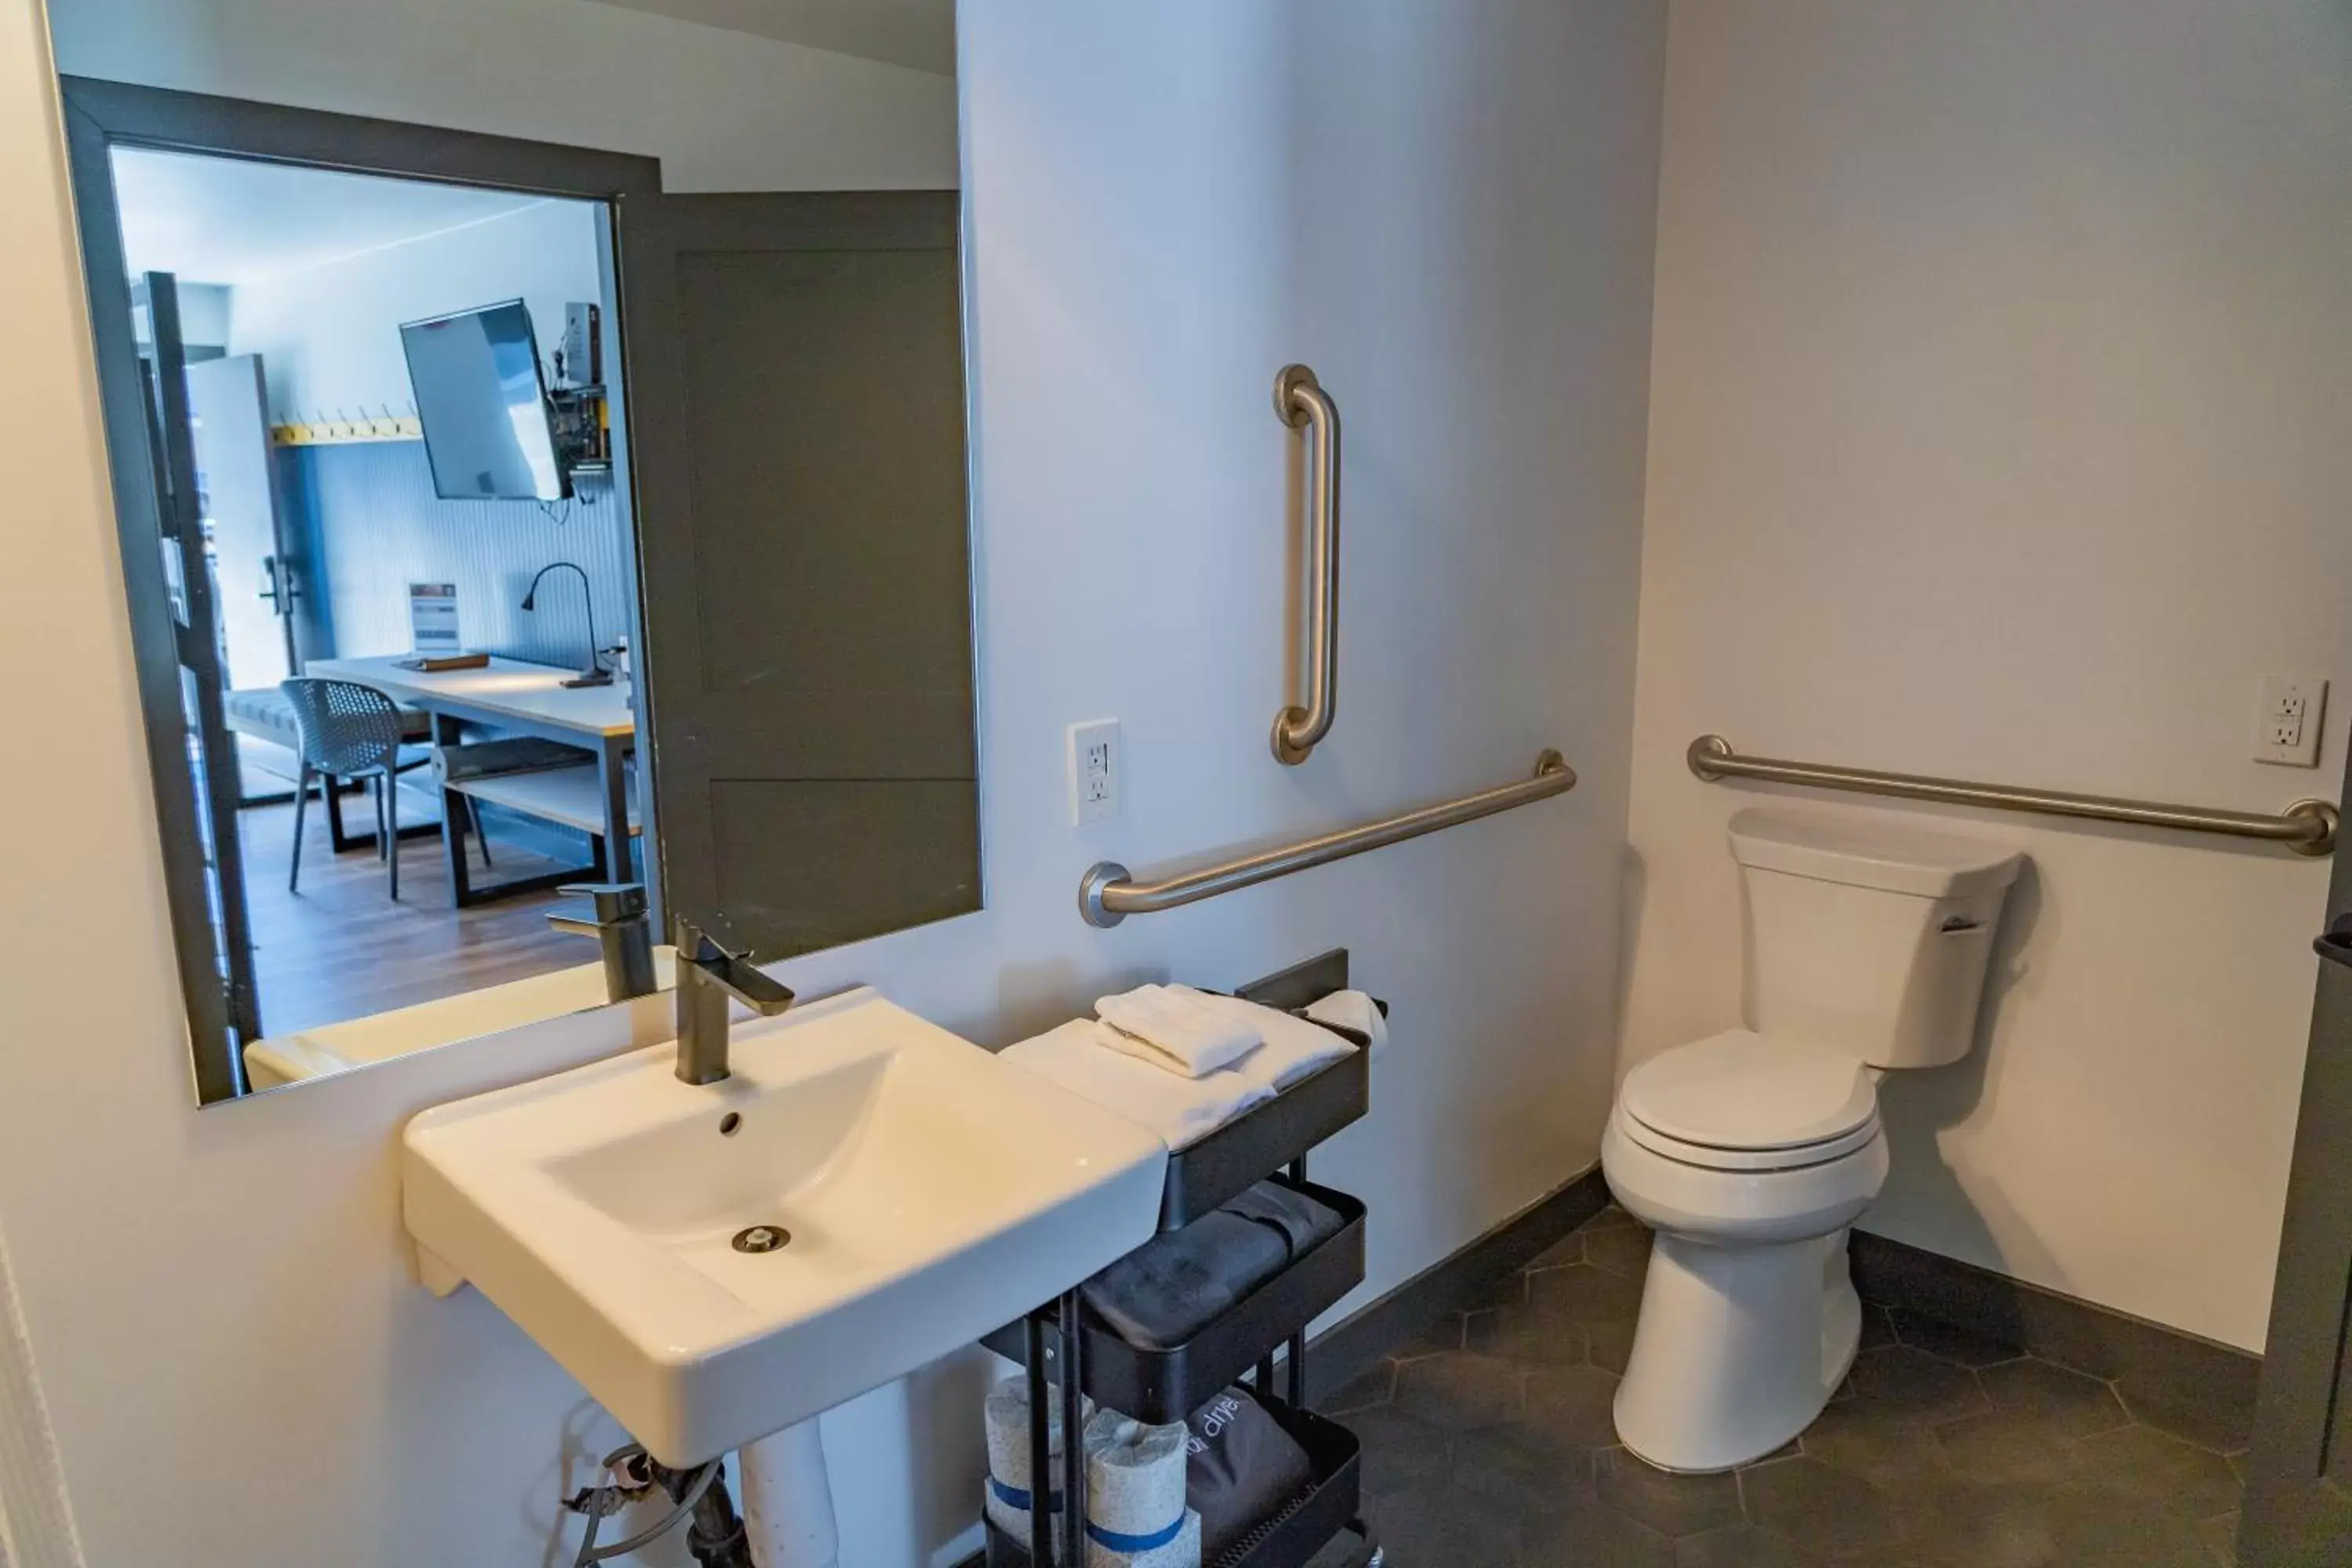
(865, 1193)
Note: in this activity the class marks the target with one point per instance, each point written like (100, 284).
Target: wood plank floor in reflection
(342, 949)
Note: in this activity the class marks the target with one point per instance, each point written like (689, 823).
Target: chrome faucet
(622, 928)
(707, 977)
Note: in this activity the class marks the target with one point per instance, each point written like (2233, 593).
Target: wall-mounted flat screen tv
(480, 397)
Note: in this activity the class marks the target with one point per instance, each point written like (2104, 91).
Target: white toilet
(1749, 1153)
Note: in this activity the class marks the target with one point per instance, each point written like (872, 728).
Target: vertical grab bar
(1300, 402)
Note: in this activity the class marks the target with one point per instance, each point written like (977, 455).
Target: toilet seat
(1745, 1101)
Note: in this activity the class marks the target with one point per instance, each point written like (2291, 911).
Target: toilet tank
(1866, 938)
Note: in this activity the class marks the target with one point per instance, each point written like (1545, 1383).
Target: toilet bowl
(1751, 1152)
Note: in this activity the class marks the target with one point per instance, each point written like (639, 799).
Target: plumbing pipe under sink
(788, 1500)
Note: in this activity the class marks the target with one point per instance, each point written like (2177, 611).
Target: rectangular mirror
(499, 517)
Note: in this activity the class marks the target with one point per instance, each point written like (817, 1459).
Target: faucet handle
(732, 971)
(615, 902)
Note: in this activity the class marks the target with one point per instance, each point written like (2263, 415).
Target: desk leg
(612, 778)
(452, 818)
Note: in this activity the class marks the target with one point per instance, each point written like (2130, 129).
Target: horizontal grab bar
(1107, 895)
(2308, 826)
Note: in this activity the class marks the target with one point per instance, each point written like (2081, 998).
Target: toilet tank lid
(1741, 1090)
(1861, 852)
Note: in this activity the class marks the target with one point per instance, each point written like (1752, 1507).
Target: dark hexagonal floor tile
(2220, 1534)
(1572, 1405)
(1877, 1444)
(1740, 1546)
(1529, 1337)
(1876, 1330)
(2219, 1418)
(1369, 1388)
(1829, 1511)
(1910, 1384)
(1584, 1294)
(1962, 1347)
(1670, 1504)
(1401, 1452)
(1959, 1522)
(1419, 1526)
(1568, 1249)
(1611, 1217)
(2159, 1467)
(1609, 1346)
(1588, 1536)
(2071, 1403)
(1435, 1338)
(2006, 1447)
(1520, 1467)
(1459, 1391)
(1621, 1249)
(2096, 1527)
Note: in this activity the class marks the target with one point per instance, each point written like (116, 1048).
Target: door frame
(103, 115)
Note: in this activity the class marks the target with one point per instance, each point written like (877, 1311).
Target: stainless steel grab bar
(1300, 402)
(1107, 895)
(2308, 826)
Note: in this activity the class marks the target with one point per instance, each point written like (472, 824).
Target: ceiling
(919, 34)
(228, 220)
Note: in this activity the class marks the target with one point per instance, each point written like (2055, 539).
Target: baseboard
(2194, 1387)
(1453, 1284)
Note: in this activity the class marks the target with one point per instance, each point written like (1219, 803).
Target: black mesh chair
(348, 731)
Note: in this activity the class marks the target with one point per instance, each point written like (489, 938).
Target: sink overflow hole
(762, 1238)
(729, 1123)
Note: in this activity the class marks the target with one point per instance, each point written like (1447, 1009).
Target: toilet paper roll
(1007, 1418)
(1135, 1496)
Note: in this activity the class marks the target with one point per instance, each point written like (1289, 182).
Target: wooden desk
(529, 699)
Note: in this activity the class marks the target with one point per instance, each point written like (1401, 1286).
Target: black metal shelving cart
(1064, 1343)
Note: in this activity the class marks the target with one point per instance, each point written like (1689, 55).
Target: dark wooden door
(795, 365)
(2298, 1507)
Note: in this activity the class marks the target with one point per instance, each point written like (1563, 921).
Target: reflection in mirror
(521, 554)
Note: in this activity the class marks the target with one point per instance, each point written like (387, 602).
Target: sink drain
(762, 1238)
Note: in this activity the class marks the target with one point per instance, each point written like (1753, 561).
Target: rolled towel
(1184, 1036)
(1136, 1514)
(1181, 1110)
(1352, 1010)
(1009, 1492)
(1293, 1049)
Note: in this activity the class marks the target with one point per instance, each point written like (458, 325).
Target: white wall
(329, 335)
(723, 110)
(1449, 212)
(1998, 431)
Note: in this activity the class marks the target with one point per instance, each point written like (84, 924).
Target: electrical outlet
(1095, 767)
(2290, 711)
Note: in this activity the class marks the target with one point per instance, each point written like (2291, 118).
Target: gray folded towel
(1165, 1291)
(1302, 1221)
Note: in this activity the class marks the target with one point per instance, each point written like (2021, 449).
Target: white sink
(930, 1194)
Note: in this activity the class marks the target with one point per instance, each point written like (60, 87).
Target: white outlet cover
(2290, 712)
(1095, 767)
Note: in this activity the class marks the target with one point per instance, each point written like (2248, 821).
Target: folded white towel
(1292, 1049)
(1352, 1010)
(1181, 1110)
(1194, 1039)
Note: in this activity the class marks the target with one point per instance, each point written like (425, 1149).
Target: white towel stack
(1167, 1027)
(1183, 1062)
(1181, 1110)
